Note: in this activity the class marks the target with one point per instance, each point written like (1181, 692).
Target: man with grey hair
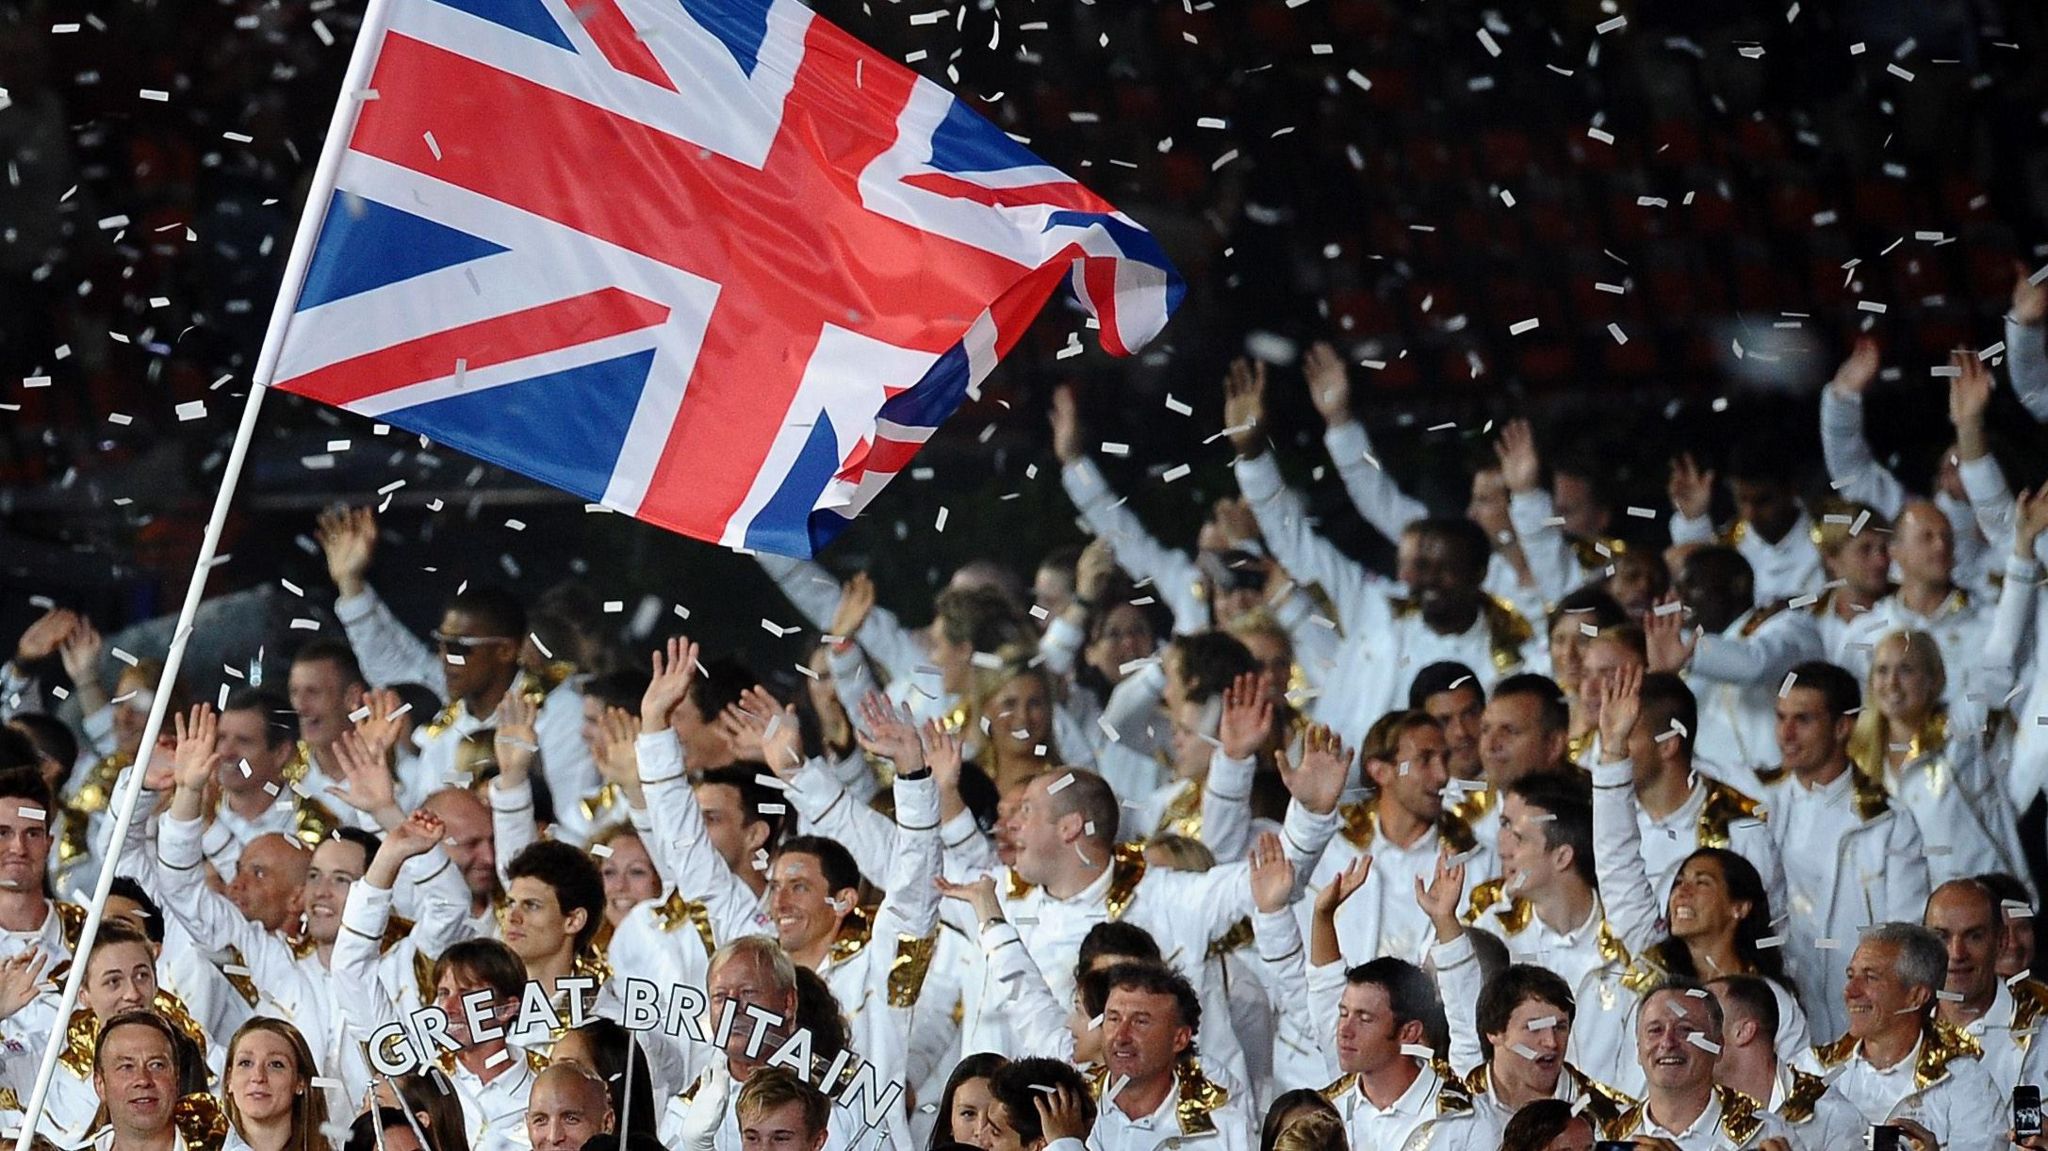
(1678, 1041)
(1899, 1064)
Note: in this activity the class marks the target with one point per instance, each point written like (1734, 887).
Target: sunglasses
(446, 642)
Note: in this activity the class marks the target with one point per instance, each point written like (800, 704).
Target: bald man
(268, 881)
(2003, 1018)
(1923, 546)
(569, 1105)
(470, 845)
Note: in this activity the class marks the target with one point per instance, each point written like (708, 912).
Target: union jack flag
(712, 263)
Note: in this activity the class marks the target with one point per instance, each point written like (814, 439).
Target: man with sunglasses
(473, 664)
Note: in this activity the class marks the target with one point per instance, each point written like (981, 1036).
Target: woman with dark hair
(965, 1101)
(430, 1099)
(1289, 1106)
(601, 1045)
(1547, 1125)
(1034, 1102)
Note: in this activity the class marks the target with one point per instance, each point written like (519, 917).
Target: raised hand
(1325, 768)
(367, 784)
(1341, 888)
(1691, 487)
(1060, 1115)
(2029, 300)
(196, 761)
(2030, 519)
(1621, 701)
(1244, 406)
(1329, 383)
(1247, 715)
(1235, 519)
(1520, 463)
(1066, 425)
(856, 600)
(618, 761)
(1093, 571)
(382, 721)
(44, 636)
(890, 734)
(673, 670)
(21, 980)
(1272, 875)
(516, 742)
(1853, 378)
(349, 538)
(1969, 394)
(404, 840)
(80, 651)
(1439, 897)
(979, 894)
(775, 726)
(744, 738)
(1664, 638)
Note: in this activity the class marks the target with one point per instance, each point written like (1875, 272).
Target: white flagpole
(338, 130)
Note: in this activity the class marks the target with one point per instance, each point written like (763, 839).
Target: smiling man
(1155, 1094)
(258, 743)
(1898, 1060)
(1678, 1040)
(1389, 1089)
(568, 1106)
(135, 1073)
(2002, 1017)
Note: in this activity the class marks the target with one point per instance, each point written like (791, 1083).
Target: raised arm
(1227, 795)
(1373, 492)
(517, 747)
(1453, 958)
(214, 922)
(1625, 889)
(910, 904)
(1037, 1019)
(2026, 353)
(1853, 468)
(1307, 556)
(388, 651)
(816, 594)
(1172, 573)
(1281, 955)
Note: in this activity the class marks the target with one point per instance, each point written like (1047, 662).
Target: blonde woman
(1933, 758)
(270, 1100)
(1010, 719)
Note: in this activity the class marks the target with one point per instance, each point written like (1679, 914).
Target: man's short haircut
(1440, 677)
(754, 797)
(369, 842)
(572, 876)
(1465, 538)
(1383, 739)
(835, 863)
(769, 1088)
(127, 888)
(280, 722)
(1091, 796)
(1688, 992)
(979, 616)
(1209, 661)
(24, 786)
(1749, 997)
(623, 688)
(1551, 709)
(1411, 995)
(1019, 1084)
(141, 1018)
(1837, 687)
(365, 1133)
(498, 613)
(1568, 798)
(1159, 979)
(1977, 888)
(1519, 984)
(1669, 705)
(114, 932)
(336, 651)
(1719, 565)
(724, 681)
(1588, 605)
(47, 736)
(1115, 937)
(1923, 960)
(489, 962)
(761, 950)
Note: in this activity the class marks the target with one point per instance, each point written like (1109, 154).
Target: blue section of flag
(365, 245)
(1134, 242)
(928, 402)
(966, 142)
(566, 428)
(780, 526)
(741, 25)
(528, 16)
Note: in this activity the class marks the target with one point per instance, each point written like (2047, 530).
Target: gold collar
(1127, 870)
(676, 911)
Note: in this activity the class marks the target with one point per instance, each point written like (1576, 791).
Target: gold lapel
(1804, 1096)
(1357, 823)
(1127, 868)
(1740, 1118)
(854, 933)
(1721, 808)
(1198, 1098)
(676, 911)
(907, 971)
(1184, 815)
